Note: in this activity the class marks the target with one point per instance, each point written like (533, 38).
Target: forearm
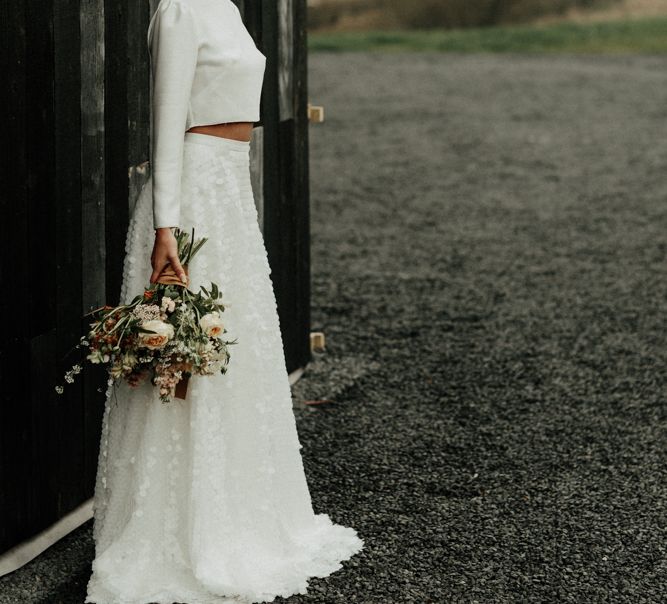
(174, 47)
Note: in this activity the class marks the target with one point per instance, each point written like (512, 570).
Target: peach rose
(212, 324)
(163, 332)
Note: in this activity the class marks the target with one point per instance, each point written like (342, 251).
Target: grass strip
(646, 36)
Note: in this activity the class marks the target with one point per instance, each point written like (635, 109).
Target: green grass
(633, 36)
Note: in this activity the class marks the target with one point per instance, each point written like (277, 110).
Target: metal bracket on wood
(315, 114)
(317, 341)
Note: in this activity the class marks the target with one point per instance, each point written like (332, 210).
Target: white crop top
(206, 69)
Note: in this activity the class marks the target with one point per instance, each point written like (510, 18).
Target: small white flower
(146, 312)
(168, 305)
(129, 360)
(60, 389)
(95, 357)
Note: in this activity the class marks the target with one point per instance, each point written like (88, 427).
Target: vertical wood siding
(286, 197)
(74, 157)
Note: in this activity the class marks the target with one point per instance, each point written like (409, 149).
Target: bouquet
(166, 334)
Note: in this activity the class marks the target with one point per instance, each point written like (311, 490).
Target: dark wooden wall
(286, 213)
(74, 154)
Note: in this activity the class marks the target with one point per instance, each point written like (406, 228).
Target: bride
(205, 500)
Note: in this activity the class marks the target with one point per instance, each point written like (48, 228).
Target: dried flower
(147, 312)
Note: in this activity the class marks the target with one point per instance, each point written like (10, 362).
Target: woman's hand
(165, 251)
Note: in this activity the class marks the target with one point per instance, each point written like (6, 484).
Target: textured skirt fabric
(205, 500)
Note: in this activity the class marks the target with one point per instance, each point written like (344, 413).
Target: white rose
(212, 324)
(163, 333)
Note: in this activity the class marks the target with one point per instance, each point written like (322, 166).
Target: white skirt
(205, 500)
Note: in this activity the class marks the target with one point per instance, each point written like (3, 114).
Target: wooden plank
(302, 352)
(16, 496)
(287, 276)
(13, 245)
(38, 138)
(294, 199)
(251, 11)
(65, 447)
(286, 59)
(270, 117)
(31, 240)
(43, 375)
(252, 17)
(93, 249)
(257, 171)
(285, 201)
(274, 220)
(133, 62)
(118, 70)
(93, 211)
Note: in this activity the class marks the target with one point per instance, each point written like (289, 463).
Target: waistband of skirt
(216, 141)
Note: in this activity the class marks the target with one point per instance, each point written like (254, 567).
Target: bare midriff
(240, 131)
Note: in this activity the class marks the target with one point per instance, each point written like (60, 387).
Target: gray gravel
(491, 232)
(489, 253)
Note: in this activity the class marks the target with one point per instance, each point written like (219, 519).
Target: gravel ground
(489, 253)
(490, 243)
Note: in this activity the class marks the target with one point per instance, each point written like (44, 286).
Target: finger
(178, 269)
(154, 276)
(153, 265)
(158, 267)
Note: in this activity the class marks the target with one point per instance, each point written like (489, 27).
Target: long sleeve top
(205, 69)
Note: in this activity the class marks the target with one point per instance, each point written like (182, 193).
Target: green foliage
(188, 246)
(636, 36)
